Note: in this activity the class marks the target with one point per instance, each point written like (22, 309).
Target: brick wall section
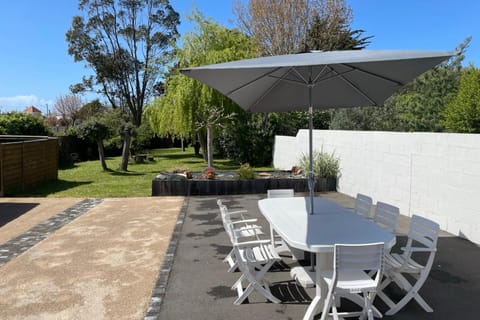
(24, 164)
(435, 175)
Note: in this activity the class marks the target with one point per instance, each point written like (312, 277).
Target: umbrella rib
(375, 75)
(363, 94)
(282, 78)
(252, 81)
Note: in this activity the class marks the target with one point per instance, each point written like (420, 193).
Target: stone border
(21, 243)
(153, 310)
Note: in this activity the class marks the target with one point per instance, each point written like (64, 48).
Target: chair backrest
(349, 257)
(363, 205)
(280, 193)
(423, 231)
(386, 216)
(359, 257)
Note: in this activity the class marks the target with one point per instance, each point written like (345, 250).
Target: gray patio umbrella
(321, 80)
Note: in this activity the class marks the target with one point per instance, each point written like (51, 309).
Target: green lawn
(87, 179)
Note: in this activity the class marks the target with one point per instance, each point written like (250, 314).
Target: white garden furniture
(363, 205)
(348, 277)
(386, 216)
(422, 238)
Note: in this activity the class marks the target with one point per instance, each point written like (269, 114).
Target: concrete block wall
(435, 175)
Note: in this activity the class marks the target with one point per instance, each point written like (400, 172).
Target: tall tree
(186, 102)
(462, 114)
(124, 42)
(68, 106)
(330, 29)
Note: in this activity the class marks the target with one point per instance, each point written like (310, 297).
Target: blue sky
(35, 67)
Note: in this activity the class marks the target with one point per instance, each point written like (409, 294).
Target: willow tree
(123, 43)
(187, 103)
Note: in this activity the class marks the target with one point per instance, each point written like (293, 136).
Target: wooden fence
(26, 162)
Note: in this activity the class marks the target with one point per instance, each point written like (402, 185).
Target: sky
(35, 68)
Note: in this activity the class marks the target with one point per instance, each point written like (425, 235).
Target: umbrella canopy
(337, 78)
(331, 79)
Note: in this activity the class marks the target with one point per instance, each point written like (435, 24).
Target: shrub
(246, 172)
(325, 165)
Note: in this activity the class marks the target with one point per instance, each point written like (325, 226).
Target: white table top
(330, 224)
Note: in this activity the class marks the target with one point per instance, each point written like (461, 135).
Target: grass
(87, 179)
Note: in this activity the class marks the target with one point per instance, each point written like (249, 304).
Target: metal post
(311, 176)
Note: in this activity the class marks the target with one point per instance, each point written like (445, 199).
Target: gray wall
(435, 175)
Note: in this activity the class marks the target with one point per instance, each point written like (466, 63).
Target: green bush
(325, 165)
(17, 123)
(246, 172)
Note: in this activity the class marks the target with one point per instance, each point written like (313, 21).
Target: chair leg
(412, 292)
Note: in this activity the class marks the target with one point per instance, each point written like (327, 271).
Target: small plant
(325, 165)
(209, 173)
(245, 172)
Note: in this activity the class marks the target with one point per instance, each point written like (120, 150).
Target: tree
(92, 109)
(68, 107)
(95, 131)
(186, 102)
(125, 43)
(462, 114)
(330, 29)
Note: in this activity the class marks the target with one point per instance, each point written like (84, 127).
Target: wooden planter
(161, 187)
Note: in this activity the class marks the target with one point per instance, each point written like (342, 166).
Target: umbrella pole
(311, 177)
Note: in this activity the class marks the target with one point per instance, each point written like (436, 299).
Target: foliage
(16, 123)
(91, 109)
(325, 165)
(123, 43)
(186, 100)
(94, 131)
(287, 27)
(419, 106)
(246, 172)
(462, 114)
(68, 107)
(330, 29)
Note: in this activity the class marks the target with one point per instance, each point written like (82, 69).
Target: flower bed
(226, 183)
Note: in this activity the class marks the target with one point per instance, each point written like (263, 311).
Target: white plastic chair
(349, 277)
(363, 205)
(254, 259)
(277, 241)
(241, 227)
(386, 216)
(422, 238)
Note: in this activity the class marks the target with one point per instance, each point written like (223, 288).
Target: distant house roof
(32, 109)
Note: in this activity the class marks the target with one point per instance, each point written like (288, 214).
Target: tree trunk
(125, 150)
(101, 154)
(203, 144)
(210, 146)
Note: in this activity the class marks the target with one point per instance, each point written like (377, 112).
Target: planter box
(161, 187)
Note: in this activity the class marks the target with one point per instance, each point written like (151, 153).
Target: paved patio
(199, 284)
(112, 258)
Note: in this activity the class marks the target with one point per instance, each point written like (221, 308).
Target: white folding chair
(363, 205)
(241, 227)
(277, 241)
(349, 277)
(422, 238)
(254, 259)
(386, 216)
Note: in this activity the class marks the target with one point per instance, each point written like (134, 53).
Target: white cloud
(19, 103)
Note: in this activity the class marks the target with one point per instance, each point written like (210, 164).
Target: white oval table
(319, 232)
